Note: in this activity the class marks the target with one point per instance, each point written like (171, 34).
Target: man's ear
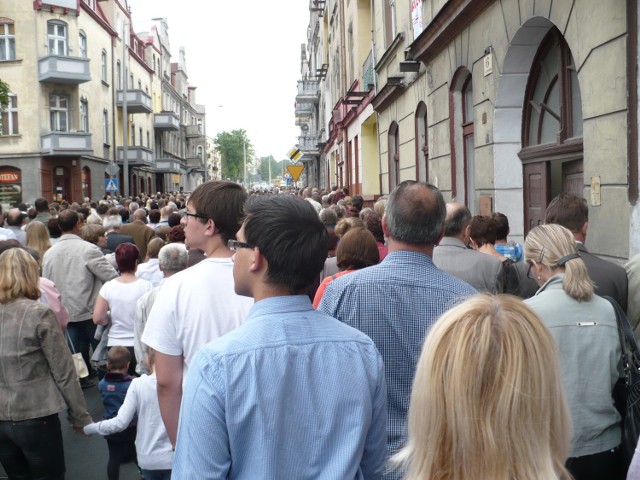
(584, 228)
(385, 228)
(211, 228)
(257, 260)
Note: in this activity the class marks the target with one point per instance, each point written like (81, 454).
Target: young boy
(113, 388)
(155, 453)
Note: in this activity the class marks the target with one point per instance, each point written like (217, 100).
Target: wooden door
(536, 193)
(573, 177)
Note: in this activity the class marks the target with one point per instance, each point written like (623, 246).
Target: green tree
(231, 148)
(4, 99)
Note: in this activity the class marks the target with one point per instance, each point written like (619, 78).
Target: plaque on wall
(10, 187)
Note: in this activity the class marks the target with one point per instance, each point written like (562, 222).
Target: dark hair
(174, 219)
(176, 234)
(373, 222)
(118, 358)
(328, 216)
(102, 209)
(67, 220)
(357, 202)
(41, 204)
(569, 210)
(357, 249)
(457, 221)
(222, 202)
(415, 213)
(14, 217)
(124, 214)
(127, 254)
(154, 216)
(290, 236)
(9, 244)
(482, 230)
(502, 225)
(84, 211)
(54, 228)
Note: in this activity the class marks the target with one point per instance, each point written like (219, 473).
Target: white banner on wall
(416, 17)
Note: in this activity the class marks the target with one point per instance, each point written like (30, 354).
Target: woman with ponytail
(586, 333)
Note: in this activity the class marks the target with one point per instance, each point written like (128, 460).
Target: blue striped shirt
(395, 303)
(292, 394)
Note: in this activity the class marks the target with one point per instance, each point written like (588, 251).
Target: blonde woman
(585, 330)
(38, 237)
(487, 401)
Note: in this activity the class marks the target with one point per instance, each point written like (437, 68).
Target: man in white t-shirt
(199, 304)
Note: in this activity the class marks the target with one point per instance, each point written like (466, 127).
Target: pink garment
(49, 295)
(383, 250)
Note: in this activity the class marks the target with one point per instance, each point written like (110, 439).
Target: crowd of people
(307, 334)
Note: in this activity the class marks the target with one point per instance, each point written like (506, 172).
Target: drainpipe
(343, 55)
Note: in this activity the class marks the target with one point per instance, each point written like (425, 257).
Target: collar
(554, 283)
(276, 306)
(452, 242)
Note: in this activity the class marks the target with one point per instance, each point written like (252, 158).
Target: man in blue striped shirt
(292, 393)
(396, 302)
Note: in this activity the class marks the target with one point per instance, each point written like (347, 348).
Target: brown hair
(118, 358)
(483, 230)
(357, 249)
(19, 275)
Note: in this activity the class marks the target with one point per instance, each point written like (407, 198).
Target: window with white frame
(10, 116)
(57, 38)
(7, 40)
(105, 126)
(82, 41)
(59, 112)
(119, 75)
(104, 66)
(84, 115)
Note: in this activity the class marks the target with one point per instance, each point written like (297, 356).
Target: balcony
(368, 73)
(138, 101)
(304, 110)
(194, 131)
(137, 156)
(167, 165)
(195, 162)
(308, 91)
(165, 121)
(308, 144)
(64, 70)
(66, 143)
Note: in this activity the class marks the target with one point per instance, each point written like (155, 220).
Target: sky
(244, 57)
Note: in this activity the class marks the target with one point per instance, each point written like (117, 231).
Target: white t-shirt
(122, 299)
(150, 271)
(194, 307)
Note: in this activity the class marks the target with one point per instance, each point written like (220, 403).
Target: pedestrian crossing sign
(295, 154)
(295, 171)
(111, 185)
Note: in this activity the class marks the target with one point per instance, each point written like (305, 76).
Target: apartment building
(502, 105)
(82, 101)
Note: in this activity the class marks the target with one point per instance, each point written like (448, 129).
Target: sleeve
(329, 301)
(139, 321)
(320, 291)
(375, 449)
(125, 415)
(633, 303)
(203, 439)
(51, 297)
(161, 331)
(99, 266)
(62, 369)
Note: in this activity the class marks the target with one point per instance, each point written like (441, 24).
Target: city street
(86, 457)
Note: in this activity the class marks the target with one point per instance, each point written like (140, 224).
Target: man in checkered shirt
(397, 301)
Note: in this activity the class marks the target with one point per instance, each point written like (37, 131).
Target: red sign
(9, 177)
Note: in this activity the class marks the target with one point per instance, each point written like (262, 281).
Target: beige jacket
(37, 375)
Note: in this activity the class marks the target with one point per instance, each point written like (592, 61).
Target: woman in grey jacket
(585, 330)
(37, 376)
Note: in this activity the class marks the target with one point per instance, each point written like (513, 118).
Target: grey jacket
(37, 377)
(78, 268)
(482, 271)
(589, 350)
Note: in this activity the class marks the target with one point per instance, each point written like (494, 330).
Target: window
(394, 156)
(10, 117)
(148, 140)
(461, 131)
(131, 81)
(133, 134)
(422, 144)
(59, 113)
(140, 135)
(468, 142)
(389, 21)
(104, 66)
(139, 84)
(7, 40)
(84, 115)
(119, 75)
(105, 126)
(82, 41)
(57, 38)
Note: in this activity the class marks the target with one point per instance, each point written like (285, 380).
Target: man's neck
(397, 246)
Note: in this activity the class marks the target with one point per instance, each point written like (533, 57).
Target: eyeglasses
(184, 213)
(234, 245)
(529, 270)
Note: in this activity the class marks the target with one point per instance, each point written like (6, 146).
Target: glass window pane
(12, 49)
(468, 103)
(576, 105)
(11, 28)
(63, 102)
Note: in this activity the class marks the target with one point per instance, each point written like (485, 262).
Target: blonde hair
(551, 243)
(19, 275)
(37, 237)
(153, 248)
(347, 223)
(91, 232)
(487, 399)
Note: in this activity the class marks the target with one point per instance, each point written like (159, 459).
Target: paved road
(86, 457)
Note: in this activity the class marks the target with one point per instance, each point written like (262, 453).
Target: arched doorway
(86, 183)
(461, 131)
(422, 144)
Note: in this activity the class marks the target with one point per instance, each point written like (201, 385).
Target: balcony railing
(138, 101)
(304, 110)
(66, 143)
(308, 91)
(308, 144)
(167, 165)
(137, 156)
(166, 121)
(195, 162)
(368, 73)
(194, 131)
(65, 70)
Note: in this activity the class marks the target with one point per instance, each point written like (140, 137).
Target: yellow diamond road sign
(295, 171)
(295, 154)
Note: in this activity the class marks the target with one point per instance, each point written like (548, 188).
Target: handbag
(626, 393)
(78, 361)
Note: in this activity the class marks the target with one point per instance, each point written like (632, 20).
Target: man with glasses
(199, 304)
(306, 393)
